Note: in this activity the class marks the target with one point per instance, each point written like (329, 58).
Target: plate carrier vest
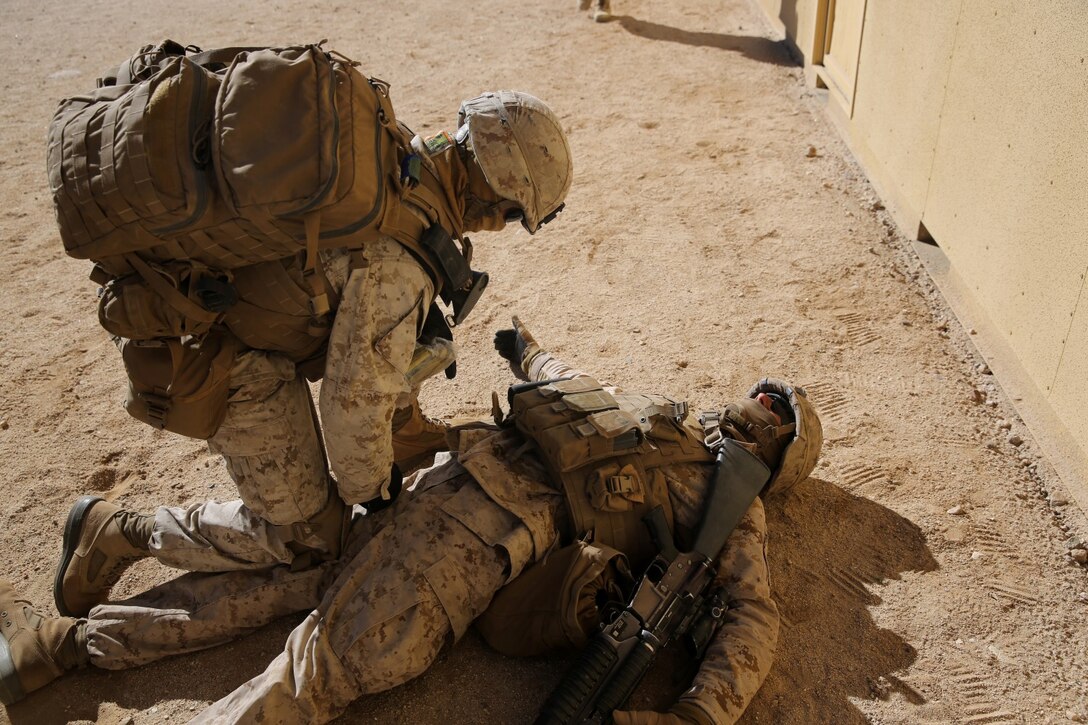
(607, 451)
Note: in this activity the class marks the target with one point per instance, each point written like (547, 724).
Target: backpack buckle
(157, 409)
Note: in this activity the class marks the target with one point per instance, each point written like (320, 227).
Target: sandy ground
(717, 230)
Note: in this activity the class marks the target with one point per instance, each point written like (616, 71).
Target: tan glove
(647, 717)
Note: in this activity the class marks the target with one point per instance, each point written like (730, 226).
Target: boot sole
(10, 689)
(73, 530)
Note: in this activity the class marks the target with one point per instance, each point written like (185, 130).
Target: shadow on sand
(829, 551)
(755, 47)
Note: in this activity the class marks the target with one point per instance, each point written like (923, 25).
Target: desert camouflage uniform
(270, 439)
(413, 579)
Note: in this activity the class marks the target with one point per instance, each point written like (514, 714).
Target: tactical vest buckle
(712, 431)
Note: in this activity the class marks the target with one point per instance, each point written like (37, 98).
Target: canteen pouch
(179, 385)
(557, 603)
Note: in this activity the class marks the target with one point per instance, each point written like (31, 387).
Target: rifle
(676, 599)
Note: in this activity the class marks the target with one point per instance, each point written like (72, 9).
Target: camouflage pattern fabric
(270, 439)
(382, 308)
(413, 586)
(412, 579)
(213, 537)
(741, 654)
(197, 611)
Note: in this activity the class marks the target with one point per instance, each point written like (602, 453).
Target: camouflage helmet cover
(801, 454)
(521, 149)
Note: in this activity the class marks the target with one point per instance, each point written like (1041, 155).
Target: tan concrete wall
(1008, 193)
(900, 92)
(971, 117)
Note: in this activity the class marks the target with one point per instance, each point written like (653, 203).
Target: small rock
(1014, 440)
(978, 396)
(982, 367)
(1004, 424)
(1074, 716)
(956, 510)
(1079, 555)
(4, 424)
(877, 206)
(812, 152)
(1082, 597)
(637, 330)
(976, 555)
(1059, 501)
(682, 364)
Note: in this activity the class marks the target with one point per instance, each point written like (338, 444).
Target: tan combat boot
(416, 437)
(100, 541)
(35, 650)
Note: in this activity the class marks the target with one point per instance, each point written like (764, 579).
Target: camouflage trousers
(271, 441)
(413, 579)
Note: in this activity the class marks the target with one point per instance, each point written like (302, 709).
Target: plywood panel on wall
(846, 19)
(900, 91)
(1007, 198)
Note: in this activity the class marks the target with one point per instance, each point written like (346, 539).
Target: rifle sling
(739, 476)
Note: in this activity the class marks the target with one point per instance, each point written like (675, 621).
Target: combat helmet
(802, 452)
(522, 151)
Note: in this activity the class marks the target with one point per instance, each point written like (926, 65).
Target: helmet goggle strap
(517, 213)
(551, 215)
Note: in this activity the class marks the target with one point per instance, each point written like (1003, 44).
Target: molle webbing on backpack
(223, 164)
(606, 450)
(241, 163)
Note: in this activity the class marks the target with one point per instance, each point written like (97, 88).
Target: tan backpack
(202, 185)
(226, 158)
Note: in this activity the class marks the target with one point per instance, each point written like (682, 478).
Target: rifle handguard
(626, 679)
(570, 697)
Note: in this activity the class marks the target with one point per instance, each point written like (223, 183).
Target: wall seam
(940, 115)
(857, 64)
(1068, 332)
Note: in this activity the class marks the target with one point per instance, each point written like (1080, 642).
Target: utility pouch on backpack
(127, 163)
(558, 602)
(222, 156)
(131, 308)
(179, 385)
(273, 312)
